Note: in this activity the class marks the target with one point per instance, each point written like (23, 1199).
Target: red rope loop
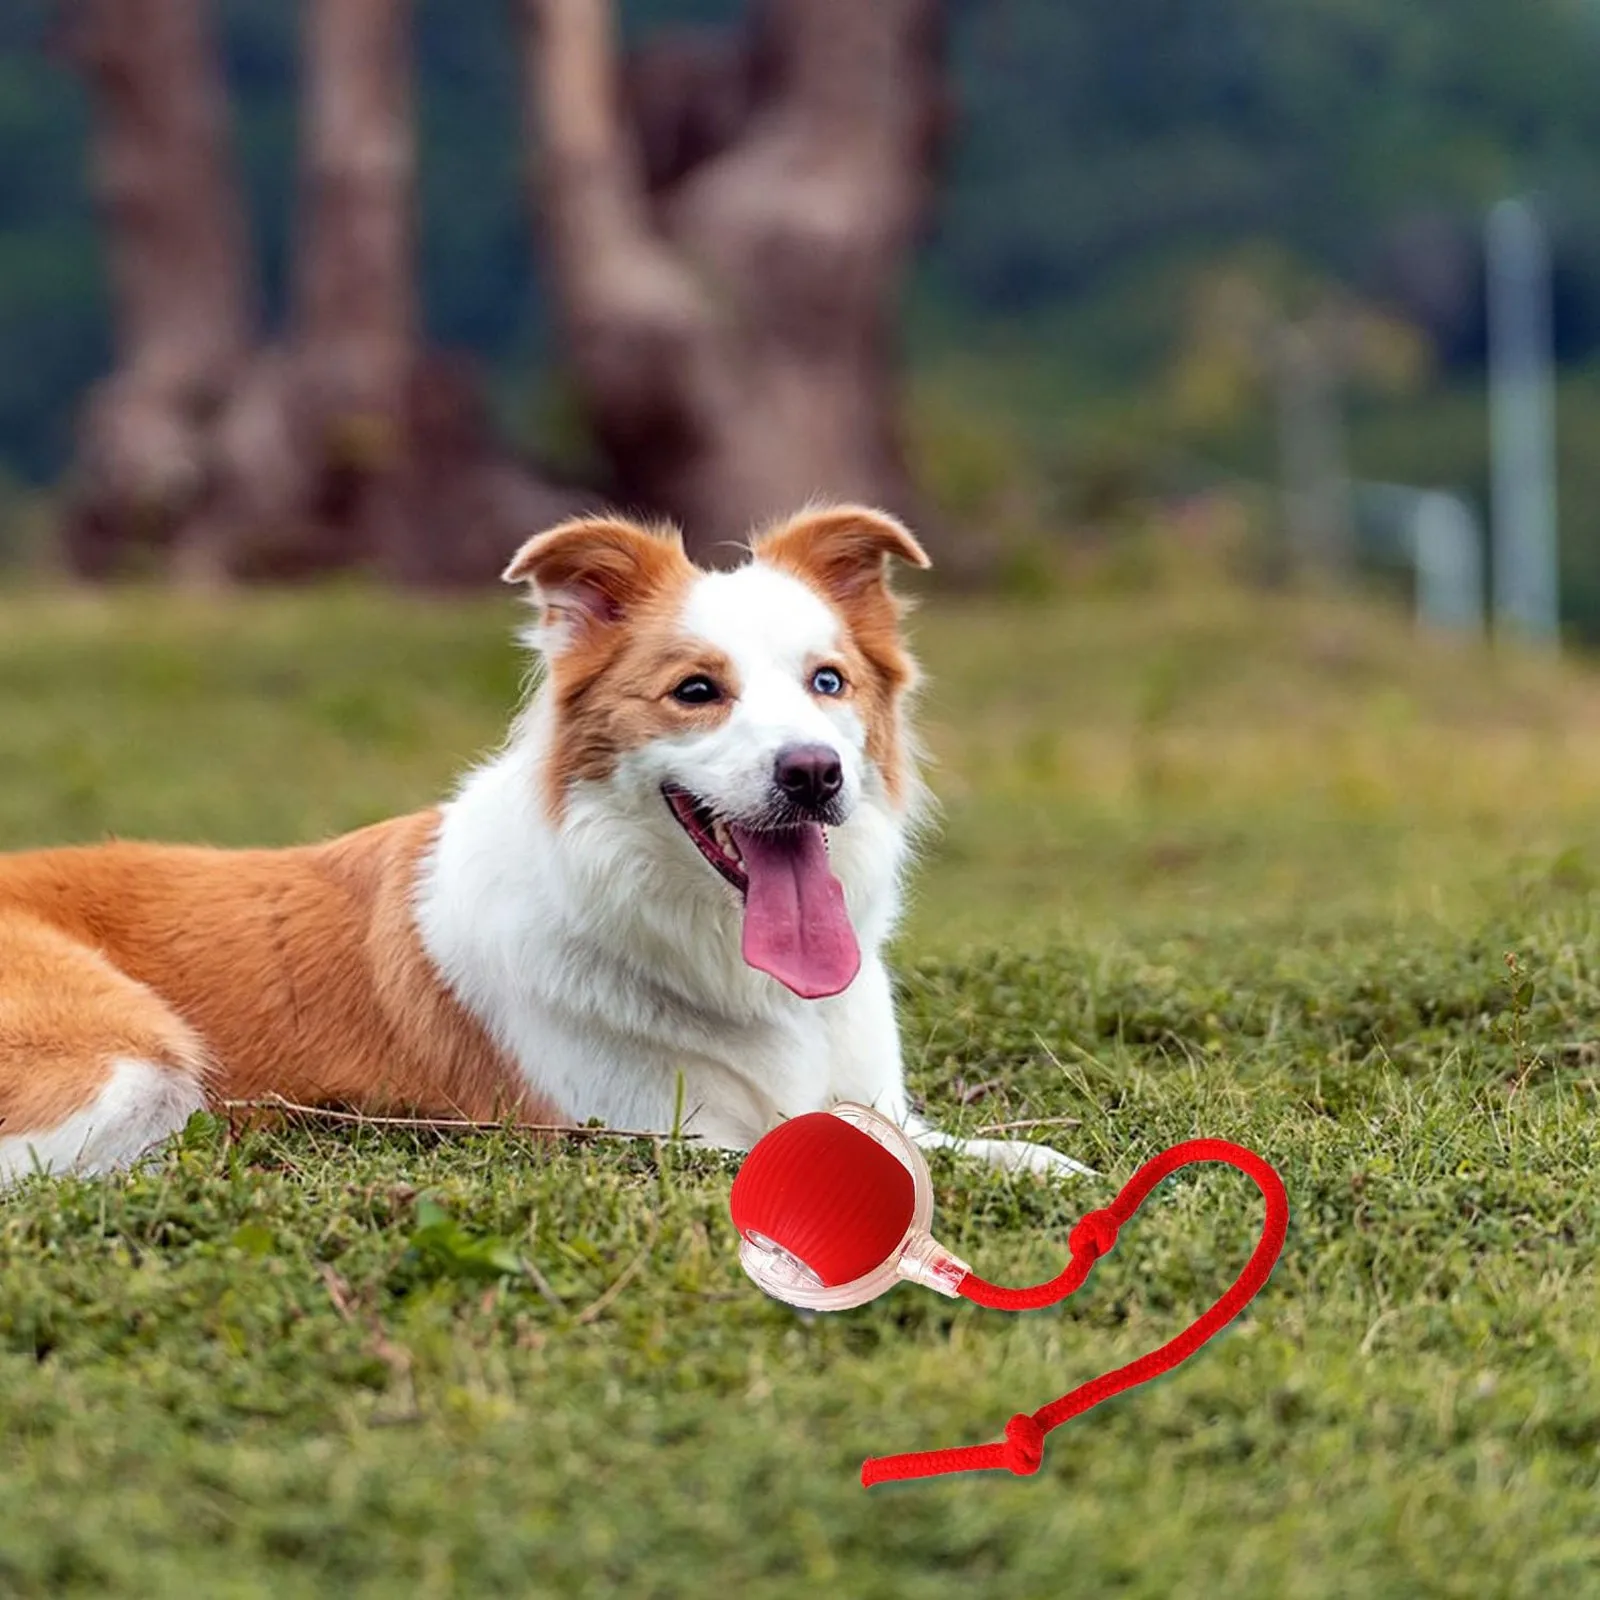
(1023, 1449)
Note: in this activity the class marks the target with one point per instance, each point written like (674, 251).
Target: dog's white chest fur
(588, 899)
(603, 957)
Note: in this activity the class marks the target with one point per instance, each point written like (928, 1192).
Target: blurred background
(286, 289)
(1211, 350)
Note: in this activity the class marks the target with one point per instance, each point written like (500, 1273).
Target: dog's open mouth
(796, 925)
(711, 835)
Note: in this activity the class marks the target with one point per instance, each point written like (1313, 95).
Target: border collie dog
(663, 903)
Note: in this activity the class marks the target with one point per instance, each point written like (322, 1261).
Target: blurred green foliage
(1114, 162)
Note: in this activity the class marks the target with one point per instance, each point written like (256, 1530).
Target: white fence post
(1521, 424)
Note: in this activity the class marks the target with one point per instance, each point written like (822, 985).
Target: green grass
(1205, 868)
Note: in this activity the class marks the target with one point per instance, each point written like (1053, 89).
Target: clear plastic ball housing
(918, 1257)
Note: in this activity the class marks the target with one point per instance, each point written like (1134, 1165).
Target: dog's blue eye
(697, 691)
(825, 680)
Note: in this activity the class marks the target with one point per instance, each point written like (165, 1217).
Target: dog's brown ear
(843, 550)
(593, 571)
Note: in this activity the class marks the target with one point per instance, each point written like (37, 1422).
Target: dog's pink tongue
(795, 923)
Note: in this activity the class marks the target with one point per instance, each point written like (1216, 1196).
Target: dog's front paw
(1018, 1155)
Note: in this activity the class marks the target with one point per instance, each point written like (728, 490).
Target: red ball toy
(828, 1194)
(834, 1208)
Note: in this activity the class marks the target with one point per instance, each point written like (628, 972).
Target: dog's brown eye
(698, 690)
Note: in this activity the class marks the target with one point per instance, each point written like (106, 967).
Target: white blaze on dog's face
(756, 708)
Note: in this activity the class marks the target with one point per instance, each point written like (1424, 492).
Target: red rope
(1023, 1449)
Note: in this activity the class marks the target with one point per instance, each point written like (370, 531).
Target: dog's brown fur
(300, 973)
(145, 951)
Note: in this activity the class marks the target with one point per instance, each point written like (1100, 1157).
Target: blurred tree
(345, 443)
(179, 267)
(1111, 155)
(728, 228)
(1101, 144)
(312, 441)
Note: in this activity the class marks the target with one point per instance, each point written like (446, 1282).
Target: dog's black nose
(809, 774)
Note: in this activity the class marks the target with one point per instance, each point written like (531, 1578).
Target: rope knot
(1094, 1235)
(1024, 1444)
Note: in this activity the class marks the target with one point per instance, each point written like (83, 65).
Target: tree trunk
(468, 505)
(313, 442)
(344, 444)
(352, 445)
(728, 292)
(356, 321)
(183, 295)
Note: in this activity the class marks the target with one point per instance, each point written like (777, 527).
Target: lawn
(1205, 868)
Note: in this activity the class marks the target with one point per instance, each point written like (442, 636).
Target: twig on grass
(360, 1119)
(543, 1285)
(621, 1281)
(394, 1356)
(966, 1092)
(344, 1302)
(1031, 1122)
